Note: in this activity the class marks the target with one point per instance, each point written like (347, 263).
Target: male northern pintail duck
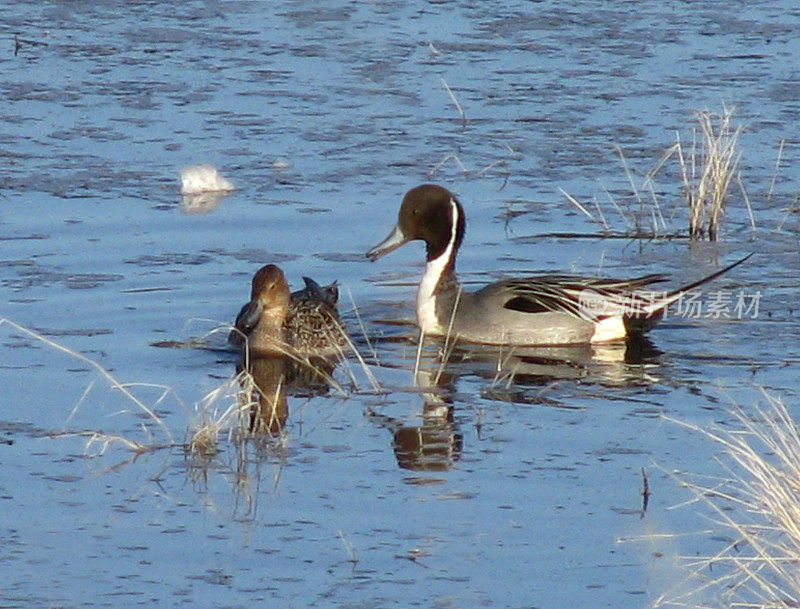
(304, 323)
(538, 310)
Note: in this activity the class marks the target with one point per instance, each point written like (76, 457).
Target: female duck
(540, 310)
(302, 324)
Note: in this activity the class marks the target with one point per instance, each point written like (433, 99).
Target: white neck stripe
(426, 297)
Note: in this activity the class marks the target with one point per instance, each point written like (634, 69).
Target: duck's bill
(395, 239)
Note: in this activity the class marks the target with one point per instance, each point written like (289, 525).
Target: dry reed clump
(707, 169)
(707, 179)
(212, 422)
(758, 505)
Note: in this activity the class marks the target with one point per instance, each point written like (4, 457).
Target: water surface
(323, 116)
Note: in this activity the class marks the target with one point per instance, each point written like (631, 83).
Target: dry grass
(497, 167)
(757, 505)
(455, 102)
(375, 385)
(226, 411)
(203, 434)
(223, 412)
(640, 213)
(707, 170)
(219, 413)
(96, 437)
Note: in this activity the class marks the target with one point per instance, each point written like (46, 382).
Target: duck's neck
(439, 282)
(270, 335)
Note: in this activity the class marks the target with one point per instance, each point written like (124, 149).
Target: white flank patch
(426, 299)
(608, 329)
(199, 179)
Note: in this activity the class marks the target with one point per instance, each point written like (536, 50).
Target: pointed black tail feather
(708, 278)
(643, 319)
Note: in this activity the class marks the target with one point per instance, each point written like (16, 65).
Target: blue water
(323, 116)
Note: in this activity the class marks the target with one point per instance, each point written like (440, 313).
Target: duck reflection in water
(436, 444)
(627, 363)
(515, 370)
(263, 393)
(265, 381)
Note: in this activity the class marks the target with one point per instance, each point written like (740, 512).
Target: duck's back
(314, 328)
